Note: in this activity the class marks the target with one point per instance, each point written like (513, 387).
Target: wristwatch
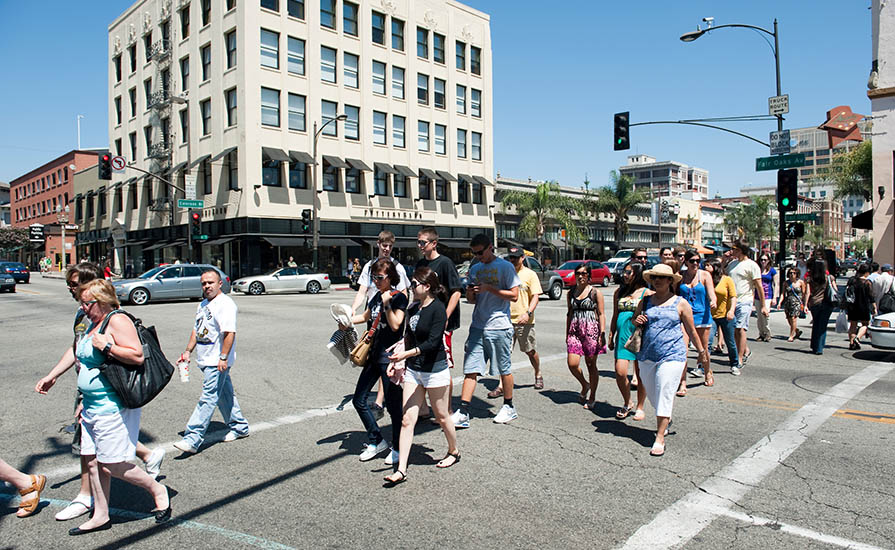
(107, 349)
(223, 357)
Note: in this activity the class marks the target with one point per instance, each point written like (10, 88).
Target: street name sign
(189, 186)
(202, 238)
(117, 163)
(186, 203)
(779, 162)
(778, 105)
(779, 142)
(810, 217)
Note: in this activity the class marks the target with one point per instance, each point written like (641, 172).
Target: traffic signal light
(305, 220)
(621, 122)
(787, 190)
(195, 224)
(105, 166)
(795, 230)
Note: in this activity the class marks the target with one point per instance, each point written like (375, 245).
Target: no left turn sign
(117, 163)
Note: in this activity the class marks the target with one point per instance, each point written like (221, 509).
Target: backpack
(850, 294)
(887, 301)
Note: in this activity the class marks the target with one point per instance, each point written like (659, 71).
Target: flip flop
(709, 379)
(623, 412)
(657, 450)
(638, 415)
(582, 398)
(682, 392)
(495, 393)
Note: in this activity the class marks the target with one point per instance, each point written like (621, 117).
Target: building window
(378, 24)
(422, 43)
(423, 136)
(206, 177)
(441, 190)
(398, 131)
(270, 49)
(438, 48)
(147, 91)
(118, 110)
(461, 99)
(232, 160)
(273, 5)
(230, 4)
(422, 89)
(230, 40)
(329, 110)
(328, 13)
(397, 82)
(349, 18)
(270, 172)
(352, 180)
(328, 64)
(147, 45)
(399, 185)
(270, 107)
(166, 132)
(132, 139)
(440, 139)
(379, 127)
(185, 22)
(205, 54)
(380, 182)
(350, 69)
(89, 208)
(463, 191)
(475, 60)
(330, 176)
(298, 175)
(230, 97)
(352, 123)
(297, 112)
(184, 74)
(461, 143)
(206, 12)
(295, 57)
(476, 146)
(477, 195)
(475, 103)
(461, 56)
(205, 109)
(439, 85)
(147, 138)
(296, 8)
(378, 77)
(116, 62)
(397, 34)
(132, 56)
(118, 147)
(184, 125)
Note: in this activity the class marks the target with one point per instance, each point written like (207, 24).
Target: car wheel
(139, 296)
(313, 287)
(606, 280)
(556, 291)
(256, 288)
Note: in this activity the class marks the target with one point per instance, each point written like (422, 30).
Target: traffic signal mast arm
(156, 176)
(692, 123)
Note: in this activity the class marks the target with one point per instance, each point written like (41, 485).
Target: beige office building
(231, 92)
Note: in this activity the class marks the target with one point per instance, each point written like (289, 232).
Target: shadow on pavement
(645, 437)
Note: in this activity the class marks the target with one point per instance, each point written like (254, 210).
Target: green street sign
(779, 162)
(186, 203)
(202, 238)
(801, 217)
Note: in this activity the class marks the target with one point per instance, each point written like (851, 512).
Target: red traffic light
(195, 215)
(106, 157)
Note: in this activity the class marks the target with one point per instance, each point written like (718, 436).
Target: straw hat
(661, 270)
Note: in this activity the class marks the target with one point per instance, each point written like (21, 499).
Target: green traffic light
(785, 202)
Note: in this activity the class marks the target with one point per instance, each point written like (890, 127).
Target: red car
(599, 273)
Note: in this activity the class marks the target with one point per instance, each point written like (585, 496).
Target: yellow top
(725, 292)
(529, 286)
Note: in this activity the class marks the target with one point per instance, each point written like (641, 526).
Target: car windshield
(152, 272)
(569, 265)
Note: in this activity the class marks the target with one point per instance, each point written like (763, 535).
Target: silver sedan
(287, 279)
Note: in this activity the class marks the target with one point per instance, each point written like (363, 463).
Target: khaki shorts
(525, 335)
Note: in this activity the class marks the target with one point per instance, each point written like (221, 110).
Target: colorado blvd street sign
(779, 142)
(778, 105)
(186, 203)
(779, 162)
(117, 163)
(801, 217)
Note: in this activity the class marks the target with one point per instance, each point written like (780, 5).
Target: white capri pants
(661, 380)
(111, 437)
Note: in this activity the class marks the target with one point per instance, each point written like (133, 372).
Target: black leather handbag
(137, 385)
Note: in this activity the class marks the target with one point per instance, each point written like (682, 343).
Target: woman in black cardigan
(426, 368)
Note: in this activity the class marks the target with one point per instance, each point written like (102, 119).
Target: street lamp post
(315, 241)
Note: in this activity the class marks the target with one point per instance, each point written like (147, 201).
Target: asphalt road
(795, 453)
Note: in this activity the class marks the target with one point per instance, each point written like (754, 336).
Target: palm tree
(618, 198)
(815, 235)
(753, 222)
(541, 207)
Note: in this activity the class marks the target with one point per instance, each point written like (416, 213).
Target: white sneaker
(78, 507)
(154, 463)
(735, 371)
(459, 419)
(185, 447)
(233, 436)
(371, 451)
(392, 458)
(506, 414)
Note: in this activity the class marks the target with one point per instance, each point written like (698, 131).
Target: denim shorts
(482, 346)
(742, 314)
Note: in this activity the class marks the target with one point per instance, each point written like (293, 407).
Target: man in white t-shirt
(214, 339)
(882, 285)
(367, 289)
(746, 277)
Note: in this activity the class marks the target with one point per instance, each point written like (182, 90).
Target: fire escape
(161, 150)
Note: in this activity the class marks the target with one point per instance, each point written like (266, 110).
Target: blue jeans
(726, 328)
(373, 371)
(217, 391)
(820, 318)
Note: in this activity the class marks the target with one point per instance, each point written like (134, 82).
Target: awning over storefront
(221, 240)
(90, 193)
(482, 180)
(161, 244)
(359, 164)
(77, 197)
(177, 167)
(273, 153)
(335, 161)
(446, 175)
(334, 241)
(223, 153)
(287, 241)
(454, 243)
(405, 171)
(135, 243)
(301, 156)
(864, 220)
(467, 178)
(428, 173)
(130, 181)
(116, 186)
(383, 167)
(199, 160)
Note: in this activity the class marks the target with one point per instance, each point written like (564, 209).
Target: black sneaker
(378, 412)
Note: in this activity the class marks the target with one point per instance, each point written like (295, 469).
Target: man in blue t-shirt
(493, 284)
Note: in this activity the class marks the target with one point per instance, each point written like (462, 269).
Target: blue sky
(559, 75)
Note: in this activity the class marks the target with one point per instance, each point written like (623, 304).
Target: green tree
(544, 207)
(851, 173)
(753, 222)
(618, 198)
(862, 245)
(815, 235)
(12, 238)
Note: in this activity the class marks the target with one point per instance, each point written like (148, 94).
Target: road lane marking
(26, 291)
(687, 517)
(850, 414)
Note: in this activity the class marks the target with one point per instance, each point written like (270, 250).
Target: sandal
(392, 481)
(582, 397)
(539, 383)
(624, 412)
(455, 456)
(638, 415)
(495, 393)
(657, 450)
(709, 379)
(681, 392)
(634, 382)
(26, 508)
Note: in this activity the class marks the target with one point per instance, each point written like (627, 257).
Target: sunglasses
(660, 278)
(639, 257)
(88, 302)
(378, 278)
(765, 259)
(693, 261)
(71, 284)
(422, 242)
(581, 274)
(414, 283)
(482, 251)
(678, 255)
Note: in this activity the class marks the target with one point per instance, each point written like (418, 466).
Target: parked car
(287, 279)
(882, 331)
(620, 268)
(18, 271)
(551, 282)
(7, 282)
(167, 282)
(599, 273)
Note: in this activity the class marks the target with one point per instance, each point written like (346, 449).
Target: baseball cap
(515, 252)
(887, 267)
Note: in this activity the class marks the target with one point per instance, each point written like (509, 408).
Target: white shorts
(437, 379)
(111, 437)
(661, 382)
